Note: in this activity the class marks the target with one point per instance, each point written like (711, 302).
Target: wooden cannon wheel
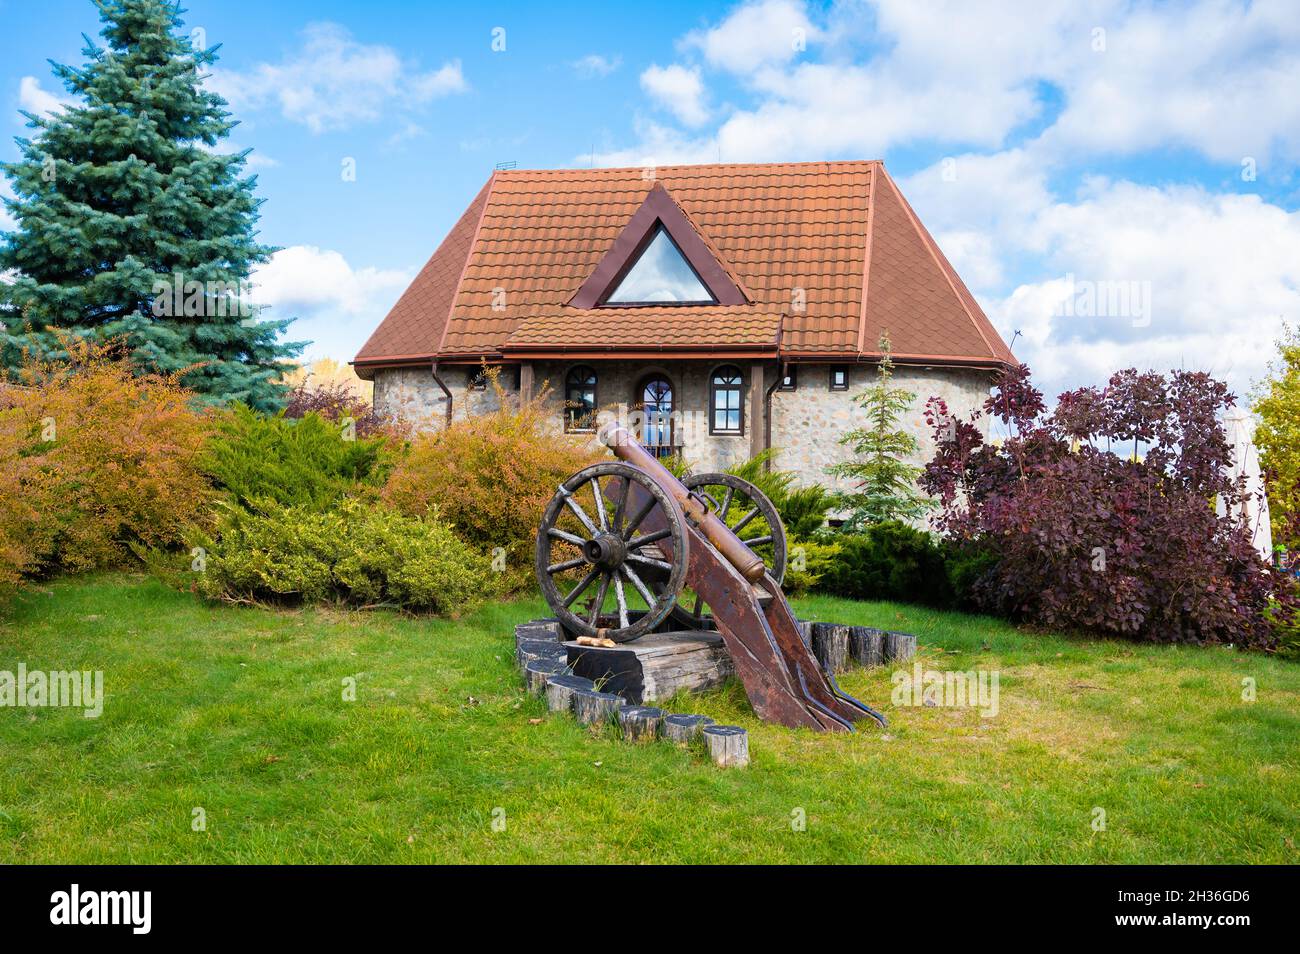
(738, 503)
(602, 549)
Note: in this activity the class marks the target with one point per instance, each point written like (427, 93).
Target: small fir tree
(884, 484)
(130, 223)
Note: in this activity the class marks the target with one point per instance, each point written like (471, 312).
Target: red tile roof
(829, 254)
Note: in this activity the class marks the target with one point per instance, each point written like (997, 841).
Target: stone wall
(806, 423)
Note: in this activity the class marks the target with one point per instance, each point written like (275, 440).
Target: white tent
(1240, 428)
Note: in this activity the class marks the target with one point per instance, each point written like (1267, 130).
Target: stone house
(724, 308)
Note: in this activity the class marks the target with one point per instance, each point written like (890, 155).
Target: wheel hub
(605, 550)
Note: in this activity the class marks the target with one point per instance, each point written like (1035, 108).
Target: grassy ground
(240, 712)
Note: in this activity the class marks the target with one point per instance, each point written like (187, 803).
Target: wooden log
(683, 729)
(592, 707)
(656, 665)
(899, 647)
(867, 645)
(529, 649)
(538, 629)
(830, 643)
(560, 690)
(538, 671)
(728, 745)
(640, 723)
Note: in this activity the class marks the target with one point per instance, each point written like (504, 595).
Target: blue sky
(1117, 181)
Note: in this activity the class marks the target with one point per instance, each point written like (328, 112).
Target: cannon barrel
(618, 439)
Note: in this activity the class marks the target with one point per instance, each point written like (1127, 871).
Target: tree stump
(805, 631)
(538, 629)
(830, 643)
(560, 691)
(640, 723)
(526, 650)
(728, 745)
(867, 645)
(899, 647)
(596, 708)
(684, 729)
(538, 671)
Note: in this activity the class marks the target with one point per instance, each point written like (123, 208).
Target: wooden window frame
(566, 410)
(793, 375)
(714, 387)
(831, 377)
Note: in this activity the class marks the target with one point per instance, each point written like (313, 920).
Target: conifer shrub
(308, 462)
(356, 553)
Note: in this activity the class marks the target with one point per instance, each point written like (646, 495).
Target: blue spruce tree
(131, 224)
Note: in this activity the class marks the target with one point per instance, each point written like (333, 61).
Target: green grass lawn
(240, 712)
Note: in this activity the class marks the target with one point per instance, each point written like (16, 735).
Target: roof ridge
(946, 269)
(879, 167)
(510, 173)
(469, 256)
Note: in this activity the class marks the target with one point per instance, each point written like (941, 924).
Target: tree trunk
(640, 723)
(830, 642)
(538, 671)
(867, 645)
(728, 745)
(560, 690)
(899, 647)
(684, 729)
(526, 650)
(596, 708)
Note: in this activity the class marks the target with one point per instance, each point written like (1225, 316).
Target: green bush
(357, 553)
(295, 463)
(807, 562)
(890, 561)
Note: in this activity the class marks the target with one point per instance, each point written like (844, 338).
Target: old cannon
(633, 529)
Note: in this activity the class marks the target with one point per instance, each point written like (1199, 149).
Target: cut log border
(541, 655)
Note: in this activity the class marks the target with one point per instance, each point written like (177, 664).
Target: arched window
(580, 399)
(655, 400)
(726, 414)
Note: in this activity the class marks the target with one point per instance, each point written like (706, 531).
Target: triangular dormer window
(659, 258)
(660, 274)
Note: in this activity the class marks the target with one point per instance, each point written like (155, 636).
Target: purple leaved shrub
(1102, 514)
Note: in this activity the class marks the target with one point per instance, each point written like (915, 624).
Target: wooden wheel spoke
(580, 514)
(639, 583)
(621, 597)
(620, 511)
(650, 561)
(726, 504)
(646, 539)
(565, 536)
(582, 585)
(566, 565)
(744, 520)
(758, 541)
(600, 599)
(600, 503)
(636, 521)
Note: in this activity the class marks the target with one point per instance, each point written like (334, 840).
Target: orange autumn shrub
(491, 475)
(96, 459)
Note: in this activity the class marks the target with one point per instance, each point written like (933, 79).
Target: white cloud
(1211, 76)
(595, 65)
(335, 82)
(337, 305)
(756, 35)
(1223, 271)
(33, 98)
(677, 89)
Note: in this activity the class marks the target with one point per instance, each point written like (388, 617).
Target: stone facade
(807, 422)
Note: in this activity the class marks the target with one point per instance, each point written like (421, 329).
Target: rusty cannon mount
(650, 534)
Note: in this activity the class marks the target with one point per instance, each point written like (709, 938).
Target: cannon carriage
(625, 545)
